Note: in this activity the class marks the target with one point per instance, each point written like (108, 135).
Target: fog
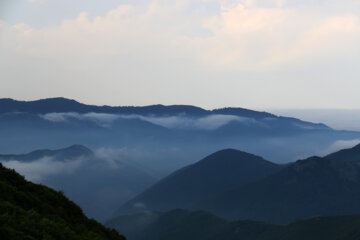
(210, 122)
(38, 170)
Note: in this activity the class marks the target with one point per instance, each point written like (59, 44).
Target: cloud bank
(210, 122)
(42, 168)
(234, 48)
(339, 145)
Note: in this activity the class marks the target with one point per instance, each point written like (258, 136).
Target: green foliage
(32, 212)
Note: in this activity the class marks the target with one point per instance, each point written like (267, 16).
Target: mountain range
(128, 149)
(72, 152)
(199, 225)
(237, 185)
(60, 104)
(166, 137)
(214, 175)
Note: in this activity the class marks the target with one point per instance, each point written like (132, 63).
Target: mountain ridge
(306, 188)
(60, 104)
(72, 151)
(181, 224)
(216, 173)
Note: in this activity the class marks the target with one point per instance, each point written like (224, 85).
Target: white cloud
(172, 47)
(210, 122)
(37, 1)
(39, 169)
(59, 117)
(102, 119)
(243, 36)
(339, 145)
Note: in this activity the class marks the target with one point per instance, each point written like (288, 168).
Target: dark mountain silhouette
(213, 175)
(307, 188)
(50, 105)
(173, 225)
(351, 154)
(71, 152)
(199, 225)
(32, 211)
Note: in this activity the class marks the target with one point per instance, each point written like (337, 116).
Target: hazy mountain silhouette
(174, 225)
(307, 188)
(199, 225)
(60, 104)
(351, 154)
(192, 131)
(238, 185)
(71, 152)
(213, 175)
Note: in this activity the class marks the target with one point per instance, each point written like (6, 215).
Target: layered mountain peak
(318, 167)
(70, 152)
(307, 188)
(232, 156)
(213, 175)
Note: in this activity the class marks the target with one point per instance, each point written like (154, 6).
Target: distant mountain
(211, 176)
(307, 188)
(173, 225)
(31, 211)
(199, 225)
(71, 152)
(51, 105)
(97, 183)
(190, 130)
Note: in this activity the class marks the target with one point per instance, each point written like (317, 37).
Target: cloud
(102, 119)
(169, 48)
(339, 145)
(210, 122)
(60, 117)
(112, 156)
(242, 35)
(139, 205)
(37, 1)
(42, 168)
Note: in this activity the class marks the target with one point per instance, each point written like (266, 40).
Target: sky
(259, 54)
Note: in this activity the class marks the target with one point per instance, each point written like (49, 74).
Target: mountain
(32, 211)
(51, 105)
(199, 225)
(351, 154)
(73, 169)
(172, 136)
(211, 176)
(173, 225)
(320, 228)
(307, 188)
(71, 152)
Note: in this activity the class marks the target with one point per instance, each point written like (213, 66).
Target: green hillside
(32, 211)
